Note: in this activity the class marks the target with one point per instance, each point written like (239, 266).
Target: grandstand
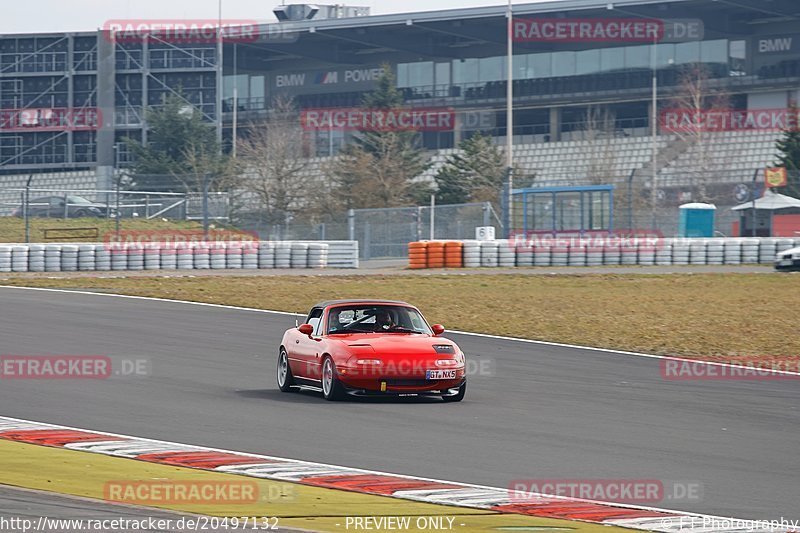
(453, 59)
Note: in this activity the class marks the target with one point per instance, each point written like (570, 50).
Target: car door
(56, 207)
(306, 349)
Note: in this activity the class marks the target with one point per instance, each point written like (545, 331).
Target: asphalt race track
(544, 412)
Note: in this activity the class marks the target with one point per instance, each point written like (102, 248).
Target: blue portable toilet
(696, 220)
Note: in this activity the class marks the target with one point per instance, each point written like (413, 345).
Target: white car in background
(788, 259)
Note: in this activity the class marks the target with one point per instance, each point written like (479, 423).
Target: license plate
(785, 262)
(440, 374)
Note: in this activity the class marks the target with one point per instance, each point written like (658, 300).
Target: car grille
(407, 382)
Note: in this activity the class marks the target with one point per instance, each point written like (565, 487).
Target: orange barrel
(417, 254)
(435, 254)
(453, 254)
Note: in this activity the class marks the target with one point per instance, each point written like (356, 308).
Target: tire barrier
(418, 255)
(662, 252)
(85, 257)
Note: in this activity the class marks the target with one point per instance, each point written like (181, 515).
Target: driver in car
(335, 320)
(384, 320)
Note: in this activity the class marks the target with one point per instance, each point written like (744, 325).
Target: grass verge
(723, 316)
(12, 229)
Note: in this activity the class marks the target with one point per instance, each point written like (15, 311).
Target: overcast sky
(27, 16)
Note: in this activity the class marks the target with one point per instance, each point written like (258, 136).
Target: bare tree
(274, 162)
(695, 98)
(598, 130)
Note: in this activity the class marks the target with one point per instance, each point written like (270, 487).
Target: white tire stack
(783, 244)
(36, 257)
(250, 255)
(191, 255)
(168, 255)
(233, 254)
(680, 251)
(628, 253)
(594, 254)
(283, 254)
(490, 253)
(471, 253)
(506, 253)
(768, 249)
(317, 255)
(559, 255)
(266, 254)
(664, 252)
(541, 254)
(135, 256)
(5, 258)
(299, 257)
(715, 252)
(119, 256)
(697, 252)
(102, 257)
(646, 251)
(52, 258)
(612, 253)
(733, 251)
(524, 253)
(19, 258)
(750, 248)
(577, 254)
(217, 255)
(86, 257)
(152, 256)
(69, 258)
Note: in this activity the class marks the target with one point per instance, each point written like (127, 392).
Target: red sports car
(371, 347)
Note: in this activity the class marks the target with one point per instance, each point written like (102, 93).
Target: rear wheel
(332, 388)
(285, 378)
(462, 390)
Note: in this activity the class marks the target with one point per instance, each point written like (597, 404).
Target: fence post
(351, 224)
(206, 183)
(366, 241)
(487, 213)
(26, 200)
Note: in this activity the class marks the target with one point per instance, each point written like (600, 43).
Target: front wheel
(285, 378)
(457, 397)
(332, 388)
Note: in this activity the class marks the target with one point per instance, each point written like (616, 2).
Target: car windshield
(78, 200)
(376, 319)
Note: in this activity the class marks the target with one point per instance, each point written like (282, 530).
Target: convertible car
(371, 347)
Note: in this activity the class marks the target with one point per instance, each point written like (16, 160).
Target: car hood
(398, 344)
(790, 251)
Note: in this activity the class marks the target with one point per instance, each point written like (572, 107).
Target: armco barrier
(664, 252)
(181, 256)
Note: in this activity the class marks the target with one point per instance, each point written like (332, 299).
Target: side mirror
(438, 329)
(306, 329)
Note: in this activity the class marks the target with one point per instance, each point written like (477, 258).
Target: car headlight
(447, 362)
(368, 362)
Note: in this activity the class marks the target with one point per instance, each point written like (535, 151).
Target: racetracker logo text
(355, 119)
(176, 31)
(631, 491)
(50, 119)
(190, 241)
(181, 492)
(711, 120)
(687, 370)
(623, 240)
(70, 367)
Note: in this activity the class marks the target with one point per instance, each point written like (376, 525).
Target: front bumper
(359, 383)
(793, 264)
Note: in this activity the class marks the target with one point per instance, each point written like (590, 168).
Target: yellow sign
(775, 177)
(51, 234)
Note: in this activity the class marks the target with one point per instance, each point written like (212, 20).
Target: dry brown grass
(12, 229)
(707, 315)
